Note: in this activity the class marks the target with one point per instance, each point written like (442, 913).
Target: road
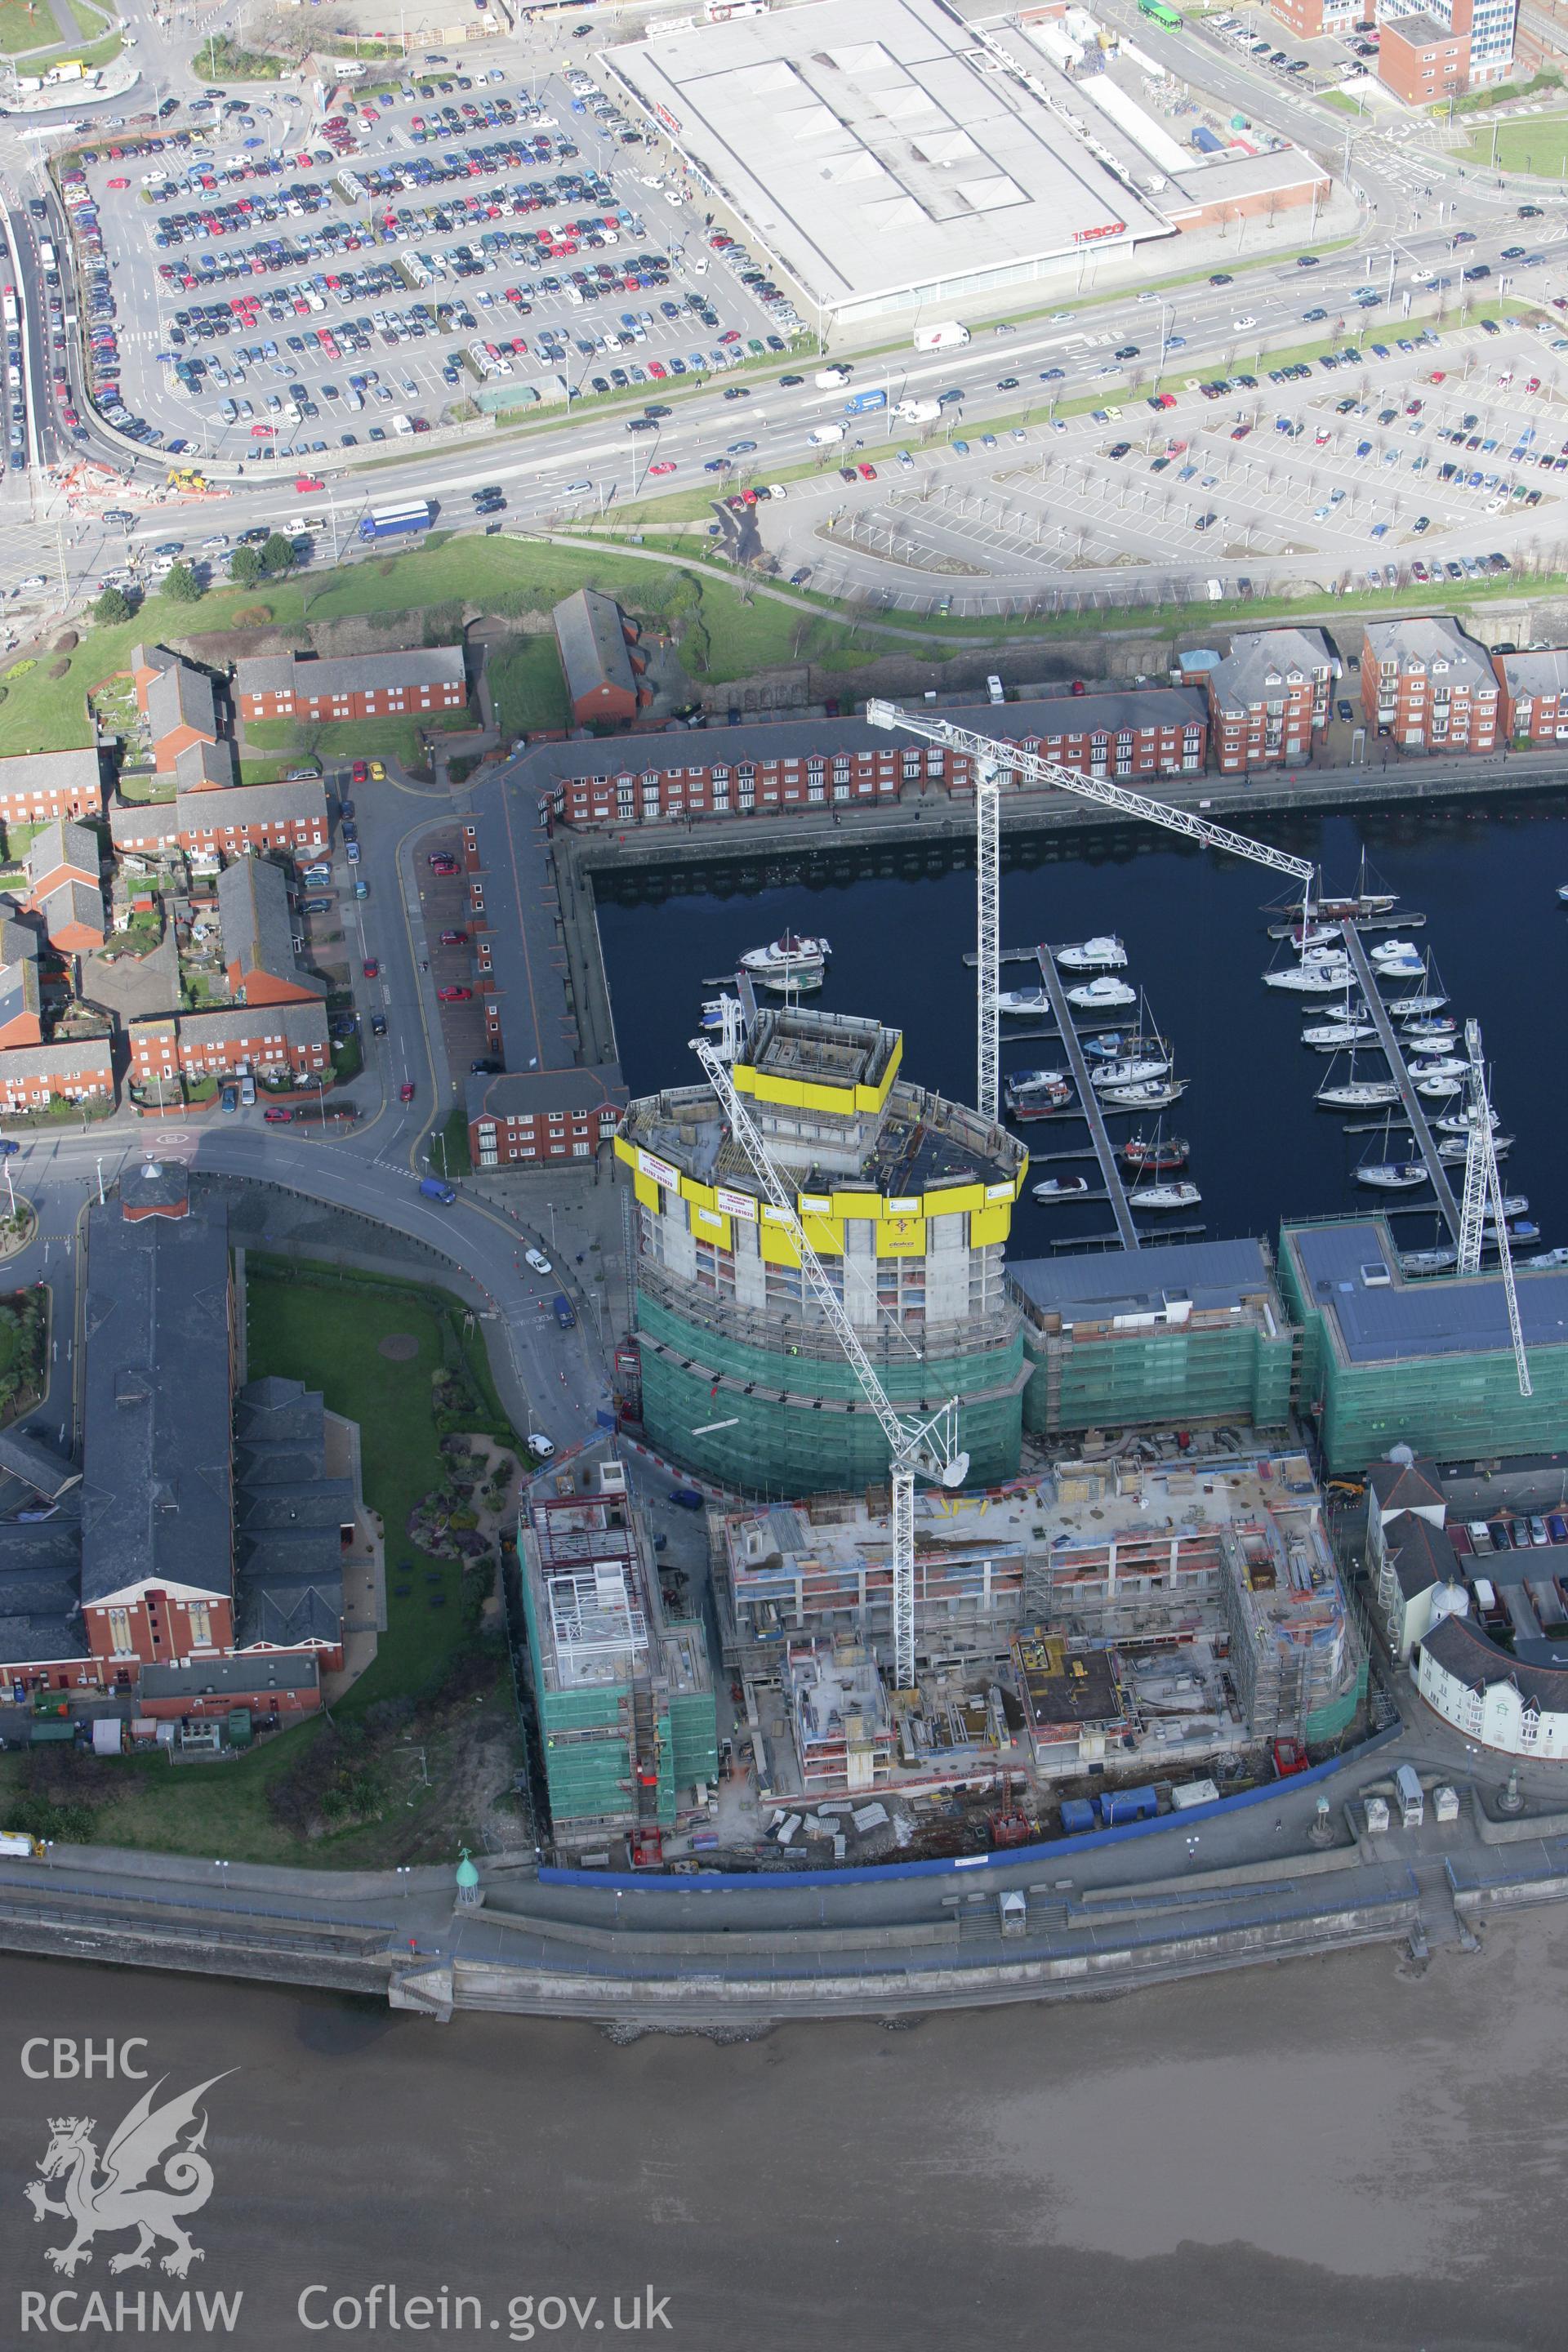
(1410, 202)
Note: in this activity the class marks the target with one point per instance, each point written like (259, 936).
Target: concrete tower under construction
(905, 1198)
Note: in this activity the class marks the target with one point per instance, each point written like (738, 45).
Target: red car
(359, 772)
(454, 995)
(868, 473)
(276, 1116)
(406, 1091)
(442, 862)
(310, 482)
(664, 465)
(454, 938)
(372, 967)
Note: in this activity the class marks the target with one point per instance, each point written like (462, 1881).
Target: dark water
(1197, 938)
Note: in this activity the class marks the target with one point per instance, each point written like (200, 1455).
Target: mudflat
(1344, 2154)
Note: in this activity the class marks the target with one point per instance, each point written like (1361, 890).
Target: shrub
(67, 642)
(112, 607)
(20, 669)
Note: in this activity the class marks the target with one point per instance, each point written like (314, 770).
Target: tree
(182, 584)
(276, 556)
(244, 567)
(112, 607)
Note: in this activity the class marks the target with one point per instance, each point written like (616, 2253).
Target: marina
(1415, 1110)
(1195, 938)
(1126, 1227)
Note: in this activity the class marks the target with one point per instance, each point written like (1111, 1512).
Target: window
(119, 1632)
(199, 1619)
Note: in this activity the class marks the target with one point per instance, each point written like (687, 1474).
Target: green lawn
(357, 739)
(328, 1336)
(24, 27)
(1533, 142)
(527, 688)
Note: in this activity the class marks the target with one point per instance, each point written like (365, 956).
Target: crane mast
(991, 760)
(1483, 1183)
(928, 1448)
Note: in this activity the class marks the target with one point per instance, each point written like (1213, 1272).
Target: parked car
(538, 1260)
(454, 995)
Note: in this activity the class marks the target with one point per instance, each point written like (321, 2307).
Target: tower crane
(991, 761)
(1482, 1184)
(926, 1449)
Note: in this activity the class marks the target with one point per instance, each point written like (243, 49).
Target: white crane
(991, 761)
(1482, 1184)
(928, 1449)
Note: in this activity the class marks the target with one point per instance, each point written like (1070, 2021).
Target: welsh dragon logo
(123, 2194)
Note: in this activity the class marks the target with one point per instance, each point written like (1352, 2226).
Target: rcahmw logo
(153, 2173)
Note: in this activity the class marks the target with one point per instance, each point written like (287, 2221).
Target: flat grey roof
(1434, 1315)
(1137, 1282)
(235, 1678)
(875, 147)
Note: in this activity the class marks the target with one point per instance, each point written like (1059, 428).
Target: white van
(823, 436)
(829, 379)
(1412, 1803)
(400, 423)
(246, 1089)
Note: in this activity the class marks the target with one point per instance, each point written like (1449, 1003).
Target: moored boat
(1550, 1257)
(1453, 1148)
(1457, 1122)
(1023, 1000)
(1165, 1196)
(1429, 1025)
(1129, 1072)
(788, 962)
(1445, 1066)
(1034, 1094)
(1102, 954)
(1358, 1094)
(1319, 977)
(1061, 1187)
(1437, 1089)
(1096, 995)
(1393, 1175)
(1145, 1094)
(1332, 1036)
(1172, 1152)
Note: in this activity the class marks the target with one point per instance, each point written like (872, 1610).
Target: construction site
(624, 1695)
(1130, 1617)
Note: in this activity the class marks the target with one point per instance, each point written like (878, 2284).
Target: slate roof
(1261, 661)
(41, 1600)
(756, 742)
(30, 772)
(18, 941)
(298, 1025)
(155, 1410)
(58, 844)
(1463, 1651)
(414, 667)
(592, 638)
(206, 766)
(491, 1094)
(1405, 1485)
(37, 1464)
(182, 697)
(289, 1581)
(256, 924)
(1540, 671)
(147, 825)
(74, 902)
(1422, 1555)
(1416, 645)
(18, 988)
(86, 1057)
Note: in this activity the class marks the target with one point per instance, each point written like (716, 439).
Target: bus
(8, 306)
(386, 522)
(1160, 12)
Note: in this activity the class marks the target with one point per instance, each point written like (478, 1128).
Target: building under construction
(1184, 1334)
(1390, 1358)
(905, 1198)
(625, 1695)
(1129, 1609)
